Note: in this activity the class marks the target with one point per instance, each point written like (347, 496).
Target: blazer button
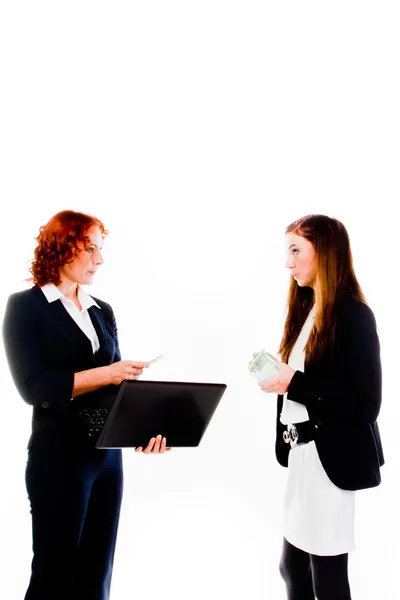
(45, 404)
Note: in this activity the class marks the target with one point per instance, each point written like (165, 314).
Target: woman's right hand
(125, 369)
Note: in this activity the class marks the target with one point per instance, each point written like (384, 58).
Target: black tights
(308, 576)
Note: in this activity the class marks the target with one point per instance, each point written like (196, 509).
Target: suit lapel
(73, 332)
(105, 353)
(96, 316)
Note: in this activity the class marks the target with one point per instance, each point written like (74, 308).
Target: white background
(197, 131)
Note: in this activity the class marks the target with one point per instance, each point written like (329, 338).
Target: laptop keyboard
(95, 419)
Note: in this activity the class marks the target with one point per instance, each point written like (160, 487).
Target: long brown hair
(335, 279)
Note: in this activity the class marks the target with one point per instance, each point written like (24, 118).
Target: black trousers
(75, 498)
(308, 576)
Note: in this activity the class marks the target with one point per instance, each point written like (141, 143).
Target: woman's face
(301, 259)
(83, 268)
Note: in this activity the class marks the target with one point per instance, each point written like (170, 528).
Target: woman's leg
(58, 498)
(95, 554)
(330, 578)
(295, 569)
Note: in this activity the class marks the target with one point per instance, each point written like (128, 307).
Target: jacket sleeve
(354, 391)
(37, 383)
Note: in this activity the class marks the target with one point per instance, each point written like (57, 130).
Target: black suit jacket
(343, 393)
(45, 347)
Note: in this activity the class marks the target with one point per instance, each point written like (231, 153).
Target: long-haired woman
(329, 397)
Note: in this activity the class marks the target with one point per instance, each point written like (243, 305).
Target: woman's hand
(155, 446)
(125, 369)
(280, 382)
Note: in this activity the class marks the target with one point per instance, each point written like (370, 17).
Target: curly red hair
(58, 244)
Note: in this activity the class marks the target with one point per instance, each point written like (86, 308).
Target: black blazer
(45, 347)
(343, 393)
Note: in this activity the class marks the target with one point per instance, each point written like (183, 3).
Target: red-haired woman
(61, 345)
(329, 397)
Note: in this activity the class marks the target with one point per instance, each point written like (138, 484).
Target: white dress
(318, 516)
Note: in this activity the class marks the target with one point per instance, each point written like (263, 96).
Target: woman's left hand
(157, 445)
(280, 382)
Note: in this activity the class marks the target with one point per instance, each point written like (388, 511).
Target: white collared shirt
(81, 317)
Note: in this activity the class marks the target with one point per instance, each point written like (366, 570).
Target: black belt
(301, 433)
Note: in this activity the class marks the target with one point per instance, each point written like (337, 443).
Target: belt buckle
(291, 436)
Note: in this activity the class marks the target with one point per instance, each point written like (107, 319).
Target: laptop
(179, 411)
